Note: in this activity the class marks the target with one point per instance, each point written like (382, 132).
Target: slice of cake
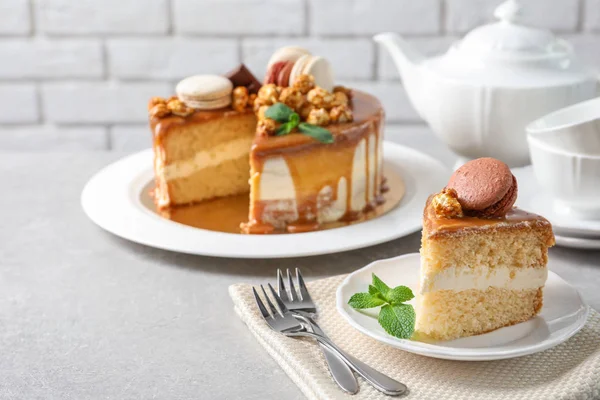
(483, 261)
(201, 152)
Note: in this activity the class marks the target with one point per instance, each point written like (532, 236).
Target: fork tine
(274, 311)
(282, 306)
(260, 304)
(293, 294)
(302, 285)
(281, 291)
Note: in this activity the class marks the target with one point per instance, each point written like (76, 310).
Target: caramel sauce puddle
(225, 214)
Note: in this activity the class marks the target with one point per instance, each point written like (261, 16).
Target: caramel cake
(483, 262)
(308, 152)
(298, 183)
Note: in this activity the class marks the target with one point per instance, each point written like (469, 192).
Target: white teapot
(479, 96)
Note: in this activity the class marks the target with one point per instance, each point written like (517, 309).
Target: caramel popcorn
(305, 110)
(318, 116)
(160, 110)
(341, 113)
(292, 98)
(269, 93)
(340, 99)
(251, 100)
(258, 103)
(155, 101)
(266, 127)
(304, 83)
(240, 98)
(177, 107)
(343, 89)
(445, 204)
(260, 113)
(320, 98)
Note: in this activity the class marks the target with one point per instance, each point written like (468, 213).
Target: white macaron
(205, 92)
(316, 66)
(287, 53)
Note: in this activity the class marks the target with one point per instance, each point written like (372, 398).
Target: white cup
(565, 153)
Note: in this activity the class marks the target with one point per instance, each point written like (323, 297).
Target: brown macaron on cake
(483, 261)
(486, 188)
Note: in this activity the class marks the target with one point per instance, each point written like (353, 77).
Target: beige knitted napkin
(568, 371)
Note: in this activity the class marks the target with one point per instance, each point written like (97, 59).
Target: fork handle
(380, 381)
(340, 371)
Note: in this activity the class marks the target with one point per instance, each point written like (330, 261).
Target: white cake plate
(577, 242)
(117, 199)
(564, 313)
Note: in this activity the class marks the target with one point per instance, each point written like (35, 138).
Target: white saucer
(533, 198)
(117, 199)
(564, 313)
(578, 242)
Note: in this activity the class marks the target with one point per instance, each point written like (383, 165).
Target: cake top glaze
(480, 195)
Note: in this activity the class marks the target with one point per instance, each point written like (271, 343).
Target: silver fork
(301, 304)
(283, 321)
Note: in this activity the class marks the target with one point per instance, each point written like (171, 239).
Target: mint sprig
(290, 120)
(279, 112)
(284, 129)
(317, 132)
(395, 317)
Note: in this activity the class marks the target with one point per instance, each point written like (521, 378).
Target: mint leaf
(364, 300)
(284, 129)
(379, 285)
(398, 320)
(400, 294)
(279, 112)
(316, 132)
(395, 317)
(295, 119)
(373, 290)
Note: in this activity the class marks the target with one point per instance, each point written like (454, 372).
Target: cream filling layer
(222, 152)
(482, 277)
(277, 188)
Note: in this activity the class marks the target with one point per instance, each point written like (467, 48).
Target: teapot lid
(509, 40)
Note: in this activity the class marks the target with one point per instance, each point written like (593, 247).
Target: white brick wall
(20, 104)
(169, 58)
(239, 17)
(366, 17)
(50, 58)
(111, 17)
(76, 75)
(99, 102)
(14, 18)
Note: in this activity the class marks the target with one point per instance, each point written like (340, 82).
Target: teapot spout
(405, 57)
(408, 62)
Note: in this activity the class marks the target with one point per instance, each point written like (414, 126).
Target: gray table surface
(86, 315)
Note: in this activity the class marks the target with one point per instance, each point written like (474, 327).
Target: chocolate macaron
(273, 72)
(485, 187)
(283, 78)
